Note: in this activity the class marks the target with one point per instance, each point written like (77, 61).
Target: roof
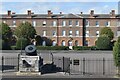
(60, 16)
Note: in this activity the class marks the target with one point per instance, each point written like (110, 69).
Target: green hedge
(52, 47)
(84, 48)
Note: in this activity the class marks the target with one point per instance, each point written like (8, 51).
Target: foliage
(116, 52)
(103, 43)
(38, 40)
(6, 32)
(107, 31)
(22, 43)
(25, 30)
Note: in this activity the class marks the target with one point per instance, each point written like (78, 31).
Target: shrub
(5, 45)
(21, 43)
(103, 43)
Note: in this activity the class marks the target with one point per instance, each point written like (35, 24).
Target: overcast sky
(56, 7)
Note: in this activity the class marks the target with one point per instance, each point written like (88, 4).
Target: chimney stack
(92, 12)
(9, 13)
(113, 12)
(49, 13)
(29, 12)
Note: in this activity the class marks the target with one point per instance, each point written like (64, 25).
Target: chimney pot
(92, 12)
(81, 12)
(29, 12)
(9, 13)
(60, 12)
(49, 13)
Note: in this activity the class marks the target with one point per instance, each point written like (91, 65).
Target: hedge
(52, 48)
(84, 47)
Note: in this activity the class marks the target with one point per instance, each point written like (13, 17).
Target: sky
(56, 7)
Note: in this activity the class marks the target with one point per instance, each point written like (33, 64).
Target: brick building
(66, 29)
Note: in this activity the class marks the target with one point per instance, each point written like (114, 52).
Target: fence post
(18, 61)
(2, 64)
(83, 66)
(103, 66)
(63, 64)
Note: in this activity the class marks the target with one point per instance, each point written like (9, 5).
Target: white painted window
(87, 23)
(63, 23)
(54, 23)
(97, 33)
(70, 43)
(54, 43)
(63, 43)
(77, 33)
(44, 23)
(76, 43)
(63, 33)
(44, 43)
(14, 23)
(4, 21)
(107, 23)
(44, 33)
(87, 33)
(70, 33)
(77, 23)
(97, 24)
(54, 33)
(70, 22)
(34, 23)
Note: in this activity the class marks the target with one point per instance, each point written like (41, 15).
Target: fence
(92, 66)
(80, 66)
(10, 64)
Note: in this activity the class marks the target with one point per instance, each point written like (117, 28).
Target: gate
(62, 63)
(88, 66)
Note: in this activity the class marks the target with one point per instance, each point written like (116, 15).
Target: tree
(103, 42)
(25, 30)
(6, 32)
(116, 54)
(21, 43)
(107, 31)
(5, 35)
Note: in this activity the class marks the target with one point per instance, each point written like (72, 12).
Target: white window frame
(107, 23)
(97, 23)
(54, 23)
(63, 23)
(63, 43)
(44, 23)
(34, 23)
(44, 33)
(63, 33)
(87, 23)
(76, 33)
(97, 33)
(54, 43)
(77, 43)
(70, 32)
(70, 22)
(87, 33)
(54, 33)
(77, 23)
(14, 23)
